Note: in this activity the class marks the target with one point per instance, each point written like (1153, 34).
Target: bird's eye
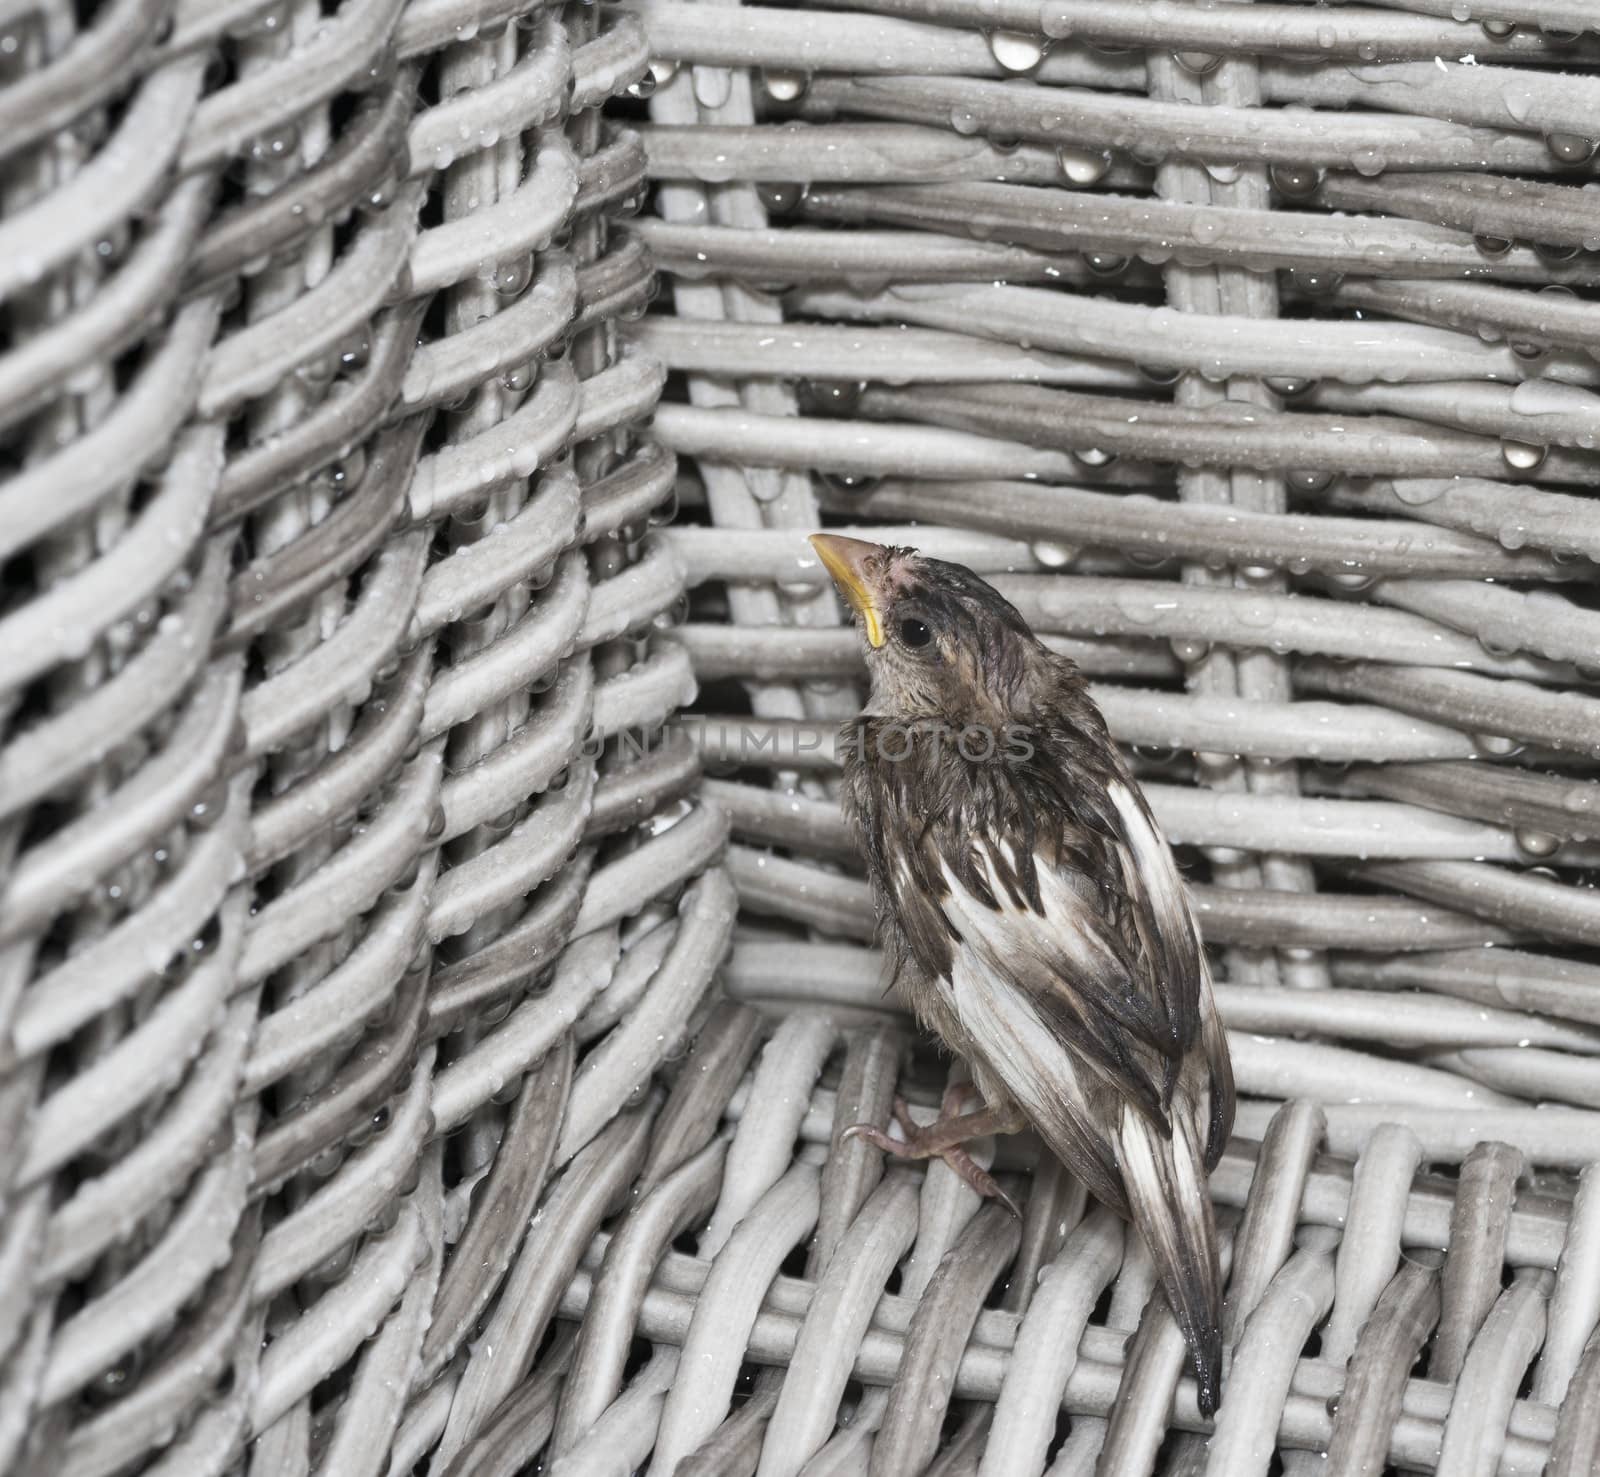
(915, 633)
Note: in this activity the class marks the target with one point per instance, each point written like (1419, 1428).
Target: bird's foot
(942, 1139)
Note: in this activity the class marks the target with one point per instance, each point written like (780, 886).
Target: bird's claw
(919, 1143)
(868, 1131)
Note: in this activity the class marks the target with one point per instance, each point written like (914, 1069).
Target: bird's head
(939, 640)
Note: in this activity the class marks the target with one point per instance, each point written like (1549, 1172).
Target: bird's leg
(958, 1096)
(942, 1139)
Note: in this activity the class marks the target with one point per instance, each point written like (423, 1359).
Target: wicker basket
(321, 622)
(1216, 337)
(405, 1070)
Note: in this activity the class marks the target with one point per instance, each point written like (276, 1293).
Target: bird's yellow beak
(846, 560)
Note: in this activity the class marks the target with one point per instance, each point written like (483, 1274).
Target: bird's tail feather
(1165, 1181)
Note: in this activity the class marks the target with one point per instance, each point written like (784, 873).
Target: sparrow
(1032, 915)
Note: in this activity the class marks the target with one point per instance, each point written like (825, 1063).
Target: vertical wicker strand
(1255, 676)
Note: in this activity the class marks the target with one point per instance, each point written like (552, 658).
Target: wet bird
(1032, 915)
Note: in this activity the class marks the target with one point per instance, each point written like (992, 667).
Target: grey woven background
(422, 1051)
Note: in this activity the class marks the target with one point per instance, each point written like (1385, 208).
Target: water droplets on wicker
(1083, 166)
(1295, 181)
(1521, 456)
(1017, 52)
(785, 85)
(1572, 148)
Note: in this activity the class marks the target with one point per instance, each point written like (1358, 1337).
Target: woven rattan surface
(322, 486)
(1250, 350)
(423, 1051)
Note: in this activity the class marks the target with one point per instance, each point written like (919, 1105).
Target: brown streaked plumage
(1032, 914)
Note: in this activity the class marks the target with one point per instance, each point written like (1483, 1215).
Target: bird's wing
(1043, 928)
(1119, 986)
(1047, 1082)
(1175, 961)
(1027, 980)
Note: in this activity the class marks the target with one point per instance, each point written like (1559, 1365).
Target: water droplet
(113, 1381)
(1418, 493)
(275, 146)
(1160, 375)
(113, 246)
(1199, 62)
(1313, 281)
(781, 198)
(674, 615)
(1093, 456)
(207, 810)
(1016, 51)
(1190, 652)
(1218, 767)
(353, 353)
(849, 482)
(1521, 456)
(1295, 181)
(1084, 166)
(1105, 263)
(1308, 479)
(317, 373)
(661, 70)
(1053, 554)
(382, 192)
(829, 397)
(264, 22)
(1537, 843)
(1555, 254)
(783, 85)
(1571, 148)
(345, 474)
(1148, 559)
(1499, 30)
(511, 277)
(666, 510)
(1287, 385)
(642, 88)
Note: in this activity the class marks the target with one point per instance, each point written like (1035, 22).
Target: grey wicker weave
(1251, 350)
(423, 1051)
(322, 485)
